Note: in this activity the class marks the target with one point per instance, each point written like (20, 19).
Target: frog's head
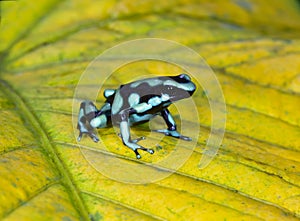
(178, 87)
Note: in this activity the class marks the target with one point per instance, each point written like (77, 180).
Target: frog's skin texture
(134, 103)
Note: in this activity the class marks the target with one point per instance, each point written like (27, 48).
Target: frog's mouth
(188, 88)
(179, 94)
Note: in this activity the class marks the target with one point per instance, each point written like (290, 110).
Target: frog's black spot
(90, 116)
(82, 105)
(83, 119)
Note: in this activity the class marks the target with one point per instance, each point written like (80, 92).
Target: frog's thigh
(86, 113)
(87, 119)
(87, 107)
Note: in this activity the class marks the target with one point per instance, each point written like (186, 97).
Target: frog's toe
(150, 151)
(165, 132)
(185, 138)
(137, 155)
(94, 137)
(173, 133)
(138, 139)
(79, 136)
(91, 135)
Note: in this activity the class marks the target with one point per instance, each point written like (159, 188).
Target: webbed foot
(151, 151)
(138, 156)
(135, 147)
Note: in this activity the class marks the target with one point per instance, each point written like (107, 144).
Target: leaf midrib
(40, 133)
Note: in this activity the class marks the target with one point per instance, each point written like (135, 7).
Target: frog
(135, 103)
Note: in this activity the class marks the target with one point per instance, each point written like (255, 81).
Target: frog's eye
(182, 78)
(185, 77)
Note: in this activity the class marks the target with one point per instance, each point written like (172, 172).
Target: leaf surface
(252, 46)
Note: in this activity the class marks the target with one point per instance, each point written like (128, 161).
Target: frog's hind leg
(87, 112)
(132, 144)
(172, 129)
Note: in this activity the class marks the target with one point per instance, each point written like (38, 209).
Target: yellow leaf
(253, 48)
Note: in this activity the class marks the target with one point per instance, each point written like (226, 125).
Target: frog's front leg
(172, 129)
(126, 138)
(89, 118)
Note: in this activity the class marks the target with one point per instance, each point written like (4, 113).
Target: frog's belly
(135, 118)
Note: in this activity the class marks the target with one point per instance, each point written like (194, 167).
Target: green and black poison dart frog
(134, 103)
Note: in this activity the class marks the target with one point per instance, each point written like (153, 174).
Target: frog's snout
(192, 88)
